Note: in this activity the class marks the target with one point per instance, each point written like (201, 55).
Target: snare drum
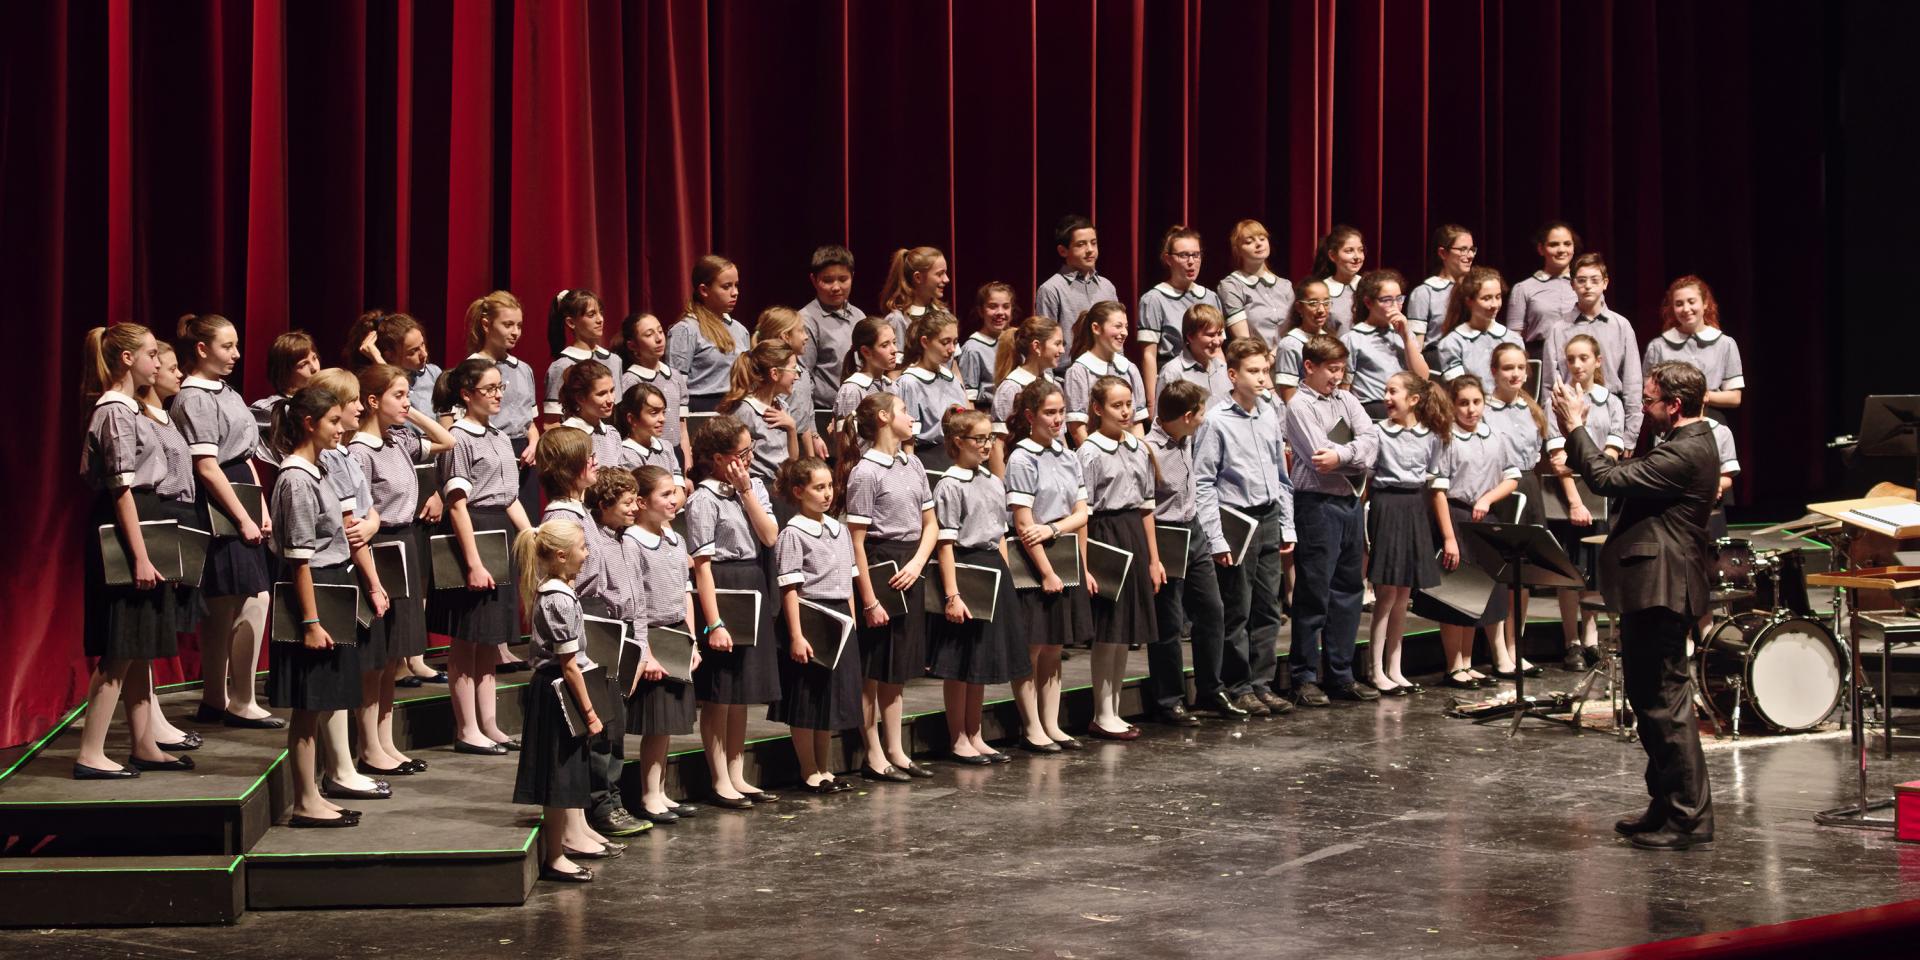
(1785, 671)
(1780, 582)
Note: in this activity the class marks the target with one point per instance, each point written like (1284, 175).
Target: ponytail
(100, 357)
(539, 550)
(897, 292)
(457, 381)
(482, 312)
(929, 324)
(1092, 317)
(567, 305)
(752, 369)
(1016, 344)
(287, 427)
(195, 329)
(866, 336)
(714, 327)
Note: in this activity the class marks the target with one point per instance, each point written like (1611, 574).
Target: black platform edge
(443, 878)
(121, 891)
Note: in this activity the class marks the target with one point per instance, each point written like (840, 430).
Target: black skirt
(814, 697)
(189, 605)
(661, 708)
(553, 762)
(403, 631)
(235, 568)
(1064, 618)
(303, 679)
(529, 495)
(980, 651)
(485, 617)
(1585, 556)
(897, 652)
(1400, 535)
(125, 623)
(1535, 510)
(744, 674)
(1124, 614)
(1472, 553)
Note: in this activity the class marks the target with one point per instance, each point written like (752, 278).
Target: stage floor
(1345, 832)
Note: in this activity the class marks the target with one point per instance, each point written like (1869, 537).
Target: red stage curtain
(289, 164)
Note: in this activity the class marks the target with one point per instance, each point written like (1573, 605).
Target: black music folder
(827, 630)
(740, 611)
(1173, 543)
(979, 589)
(673, 650)
(450, 561)
(1109, 565)
(341, 607)
(162, 538)
(894, 602)
(390, 565)
(1063, 552)
(251, 500)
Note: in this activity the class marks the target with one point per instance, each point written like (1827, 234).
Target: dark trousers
(1655, 645)
(1192, 600)
(1250, 596)
(606, 758)
(1328, 589)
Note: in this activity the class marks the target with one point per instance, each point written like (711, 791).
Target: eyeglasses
(1390, 301)
(1466, 250)
(1316, 303)
(490, 391)
(978, 437)
(1189, 257)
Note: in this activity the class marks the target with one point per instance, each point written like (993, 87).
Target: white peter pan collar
(875, 456)
(203, 383)
(639, 447)
(1021, 376)
(719, 488)
(511, 360)
(649, 373)
(576, 353)
(557, 586)
(1299, 334)
(369, 440)
(1194, 291)
(1543, 276)
(1392, 429)
(1264, 278)
(862, 380)
(1705, 335)
(1117, 366)
(1100, 441)
(982, 339)
(115, 396)
(915, 311)
(652, 541)
(468, 426)
(1598, 393)
(924, 375)
(1030, 446)
(813, 528)
(1335, 289)
(1437, 282)
(574, 507)
(1482, 432)
(294, 461)
(160, 414)
(581, 425)
(962, 474)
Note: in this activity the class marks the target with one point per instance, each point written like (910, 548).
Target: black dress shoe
(1031, 747)
(606, 852)
(919, 770)
(582, 875)
(973, 760)
(334, 791)
(1461, 680)
(996, 756)
(299, 822)
(207, 714)
(1177, 716)
(1098, 733)
(490, 750)
(1355, 691)
(83, 772)
(686, 811)
(1250, 705)
(1276, 704)
(658, 818)
(438, 677)
(182, 747)
(1219, 705)
(403, 770)
(1070, 744)
(415, 766)
(889, 775)
(511, 744)
(840, 786)
(409, 682)
(822, 788)
(731, 803)
(1645, 823)
(250, 723)
(761, 796)
(1666, 839)
(177, 763)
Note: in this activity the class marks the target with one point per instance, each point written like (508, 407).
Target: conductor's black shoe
(1275, 703)
(1664, 839)
(252, 723)
(1645, 823)
(83, 772)
(1355, 691)
(1251, 705)
(1176, 716)
(177, 763)
(1219, 705)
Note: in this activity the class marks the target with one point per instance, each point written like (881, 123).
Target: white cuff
(1236, 317)
(1614, 441)
(295, 553)
(1556, 443)
(120, 481)
(926, 505)
(948, 535)
(203, 449)
(1147, 336)
(1510, 473)
(704, 550)
(1076, 418)
(1285, 380)
(1080, 494)
(1733, 383)
(1439, 483)
(1013, 499)
(551, 407)
(570, 646)
(1148, 504)
(789, 579)
(1730, 467)
(999, 429)
(1454, 371)
(854, 518)
(461, 484)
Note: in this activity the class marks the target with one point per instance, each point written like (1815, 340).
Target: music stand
(1890, 427)
(1530, 557)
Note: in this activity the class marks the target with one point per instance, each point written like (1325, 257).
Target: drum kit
(1766, 653)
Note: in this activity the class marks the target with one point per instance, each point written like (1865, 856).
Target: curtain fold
(290, 164)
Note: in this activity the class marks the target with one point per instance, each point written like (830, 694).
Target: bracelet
(870, 606)
(711, 627)
(951, 597)
(1053, 531)
(306, 623)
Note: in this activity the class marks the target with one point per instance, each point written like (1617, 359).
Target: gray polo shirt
(1262, 300)
(480, 465)
(706, 366)
(1046, 480)
(1427, 304)
(559, 629)
(1539, 302)
(557, 372)
(388, 461)
(1374, 354)
(662, 574)
(1619, 359)
(1471, 464)
(1466, 350)
(970, 505)
(307, 522)
(829, 340)
(1714, 352)
(1408, 457)
(1087, 368)
(817, 556)
(1118, 473)
(1163, 312)
(1064, 297)
(717, 523)
(215, 421)
(887, 494)
(673, 390)
(1173, 484)
(519, 401)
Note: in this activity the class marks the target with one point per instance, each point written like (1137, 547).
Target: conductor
(1653, 569)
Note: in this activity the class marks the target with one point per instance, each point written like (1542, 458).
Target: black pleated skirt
(1400, 535)
(1535, 511)
(303, 679)
(815, 697)
(1064, 618)
(743, 674)
(1124, 614)
(1472, 552)
(125, 623)
(661, 708)
(529, 495)
(553, 762)
(403, 631)
(897, 652)
(980, 651)
(486, 617)
(235, 568)
(189, 605)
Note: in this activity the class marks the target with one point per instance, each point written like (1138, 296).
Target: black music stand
(1890, 427)
(1530, 557)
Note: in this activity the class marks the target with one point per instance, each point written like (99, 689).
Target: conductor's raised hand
(1569, 408)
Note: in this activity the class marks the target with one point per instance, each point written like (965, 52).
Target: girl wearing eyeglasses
(1453, 253)
(1384, 344)
(1312, 310)
(762, 377)
(1339, 260)
(1162, 307)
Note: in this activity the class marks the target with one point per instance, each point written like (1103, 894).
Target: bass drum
(1785, 672)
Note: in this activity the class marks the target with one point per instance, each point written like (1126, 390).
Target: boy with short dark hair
(829, 318)
(1077, 286)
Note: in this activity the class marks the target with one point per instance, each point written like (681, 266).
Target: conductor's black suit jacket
(1656, 554)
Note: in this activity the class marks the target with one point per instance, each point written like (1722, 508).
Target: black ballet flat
(840, 786)
(996, 756)
(1031, 747)
(410, 682)
(403, 770)
(731, 803)
(182, 747)
(606, 852)
(439, 676)
(1533, 670)
(150, 766)
(889, 775)
(658, 819)
(686, 811)
(415, 766)
(919, 770)
(333, 791)
(83, 772)
(490, 750)
(250, 723)
(1398, 690)
(206, 714)
(1070, 744)
(350, 814)
(1461, 680)
(761, 796)
(823, 788)
(511, 744)
(516, 666)
(975, 760)
(299, 822)
(582, 875)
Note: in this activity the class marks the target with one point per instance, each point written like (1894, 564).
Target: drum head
(1794, 674)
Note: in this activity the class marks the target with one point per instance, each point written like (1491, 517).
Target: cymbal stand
(1853, 815)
